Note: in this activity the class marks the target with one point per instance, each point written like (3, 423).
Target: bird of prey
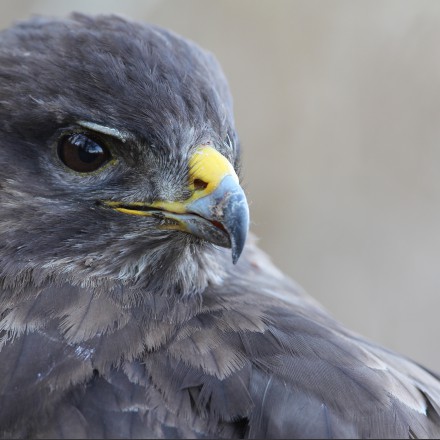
(132, 302)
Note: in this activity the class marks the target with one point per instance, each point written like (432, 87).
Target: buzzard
(132, 302)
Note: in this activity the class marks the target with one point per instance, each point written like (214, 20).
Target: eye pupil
(81, 153)
(89, 151)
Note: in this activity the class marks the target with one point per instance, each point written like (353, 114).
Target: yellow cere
(208, 165)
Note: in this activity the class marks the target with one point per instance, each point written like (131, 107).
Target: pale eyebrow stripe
(121, 135)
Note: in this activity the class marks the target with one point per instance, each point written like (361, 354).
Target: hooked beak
(217, 210)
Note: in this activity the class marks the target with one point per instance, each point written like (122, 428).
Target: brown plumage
(121, 311)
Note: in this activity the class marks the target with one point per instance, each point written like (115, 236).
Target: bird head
(118, 156)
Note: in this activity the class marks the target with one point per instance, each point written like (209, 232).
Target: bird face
(118, 154)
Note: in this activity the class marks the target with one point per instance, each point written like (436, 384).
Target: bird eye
(81, 153)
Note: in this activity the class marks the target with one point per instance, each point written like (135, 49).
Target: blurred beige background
(338, 108)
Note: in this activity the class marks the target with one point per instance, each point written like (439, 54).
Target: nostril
(199, 184)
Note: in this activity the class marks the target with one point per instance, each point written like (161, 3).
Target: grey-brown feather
(112, 328)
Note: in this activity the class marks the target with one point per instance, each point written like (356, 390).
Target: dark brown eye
(81, 153)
